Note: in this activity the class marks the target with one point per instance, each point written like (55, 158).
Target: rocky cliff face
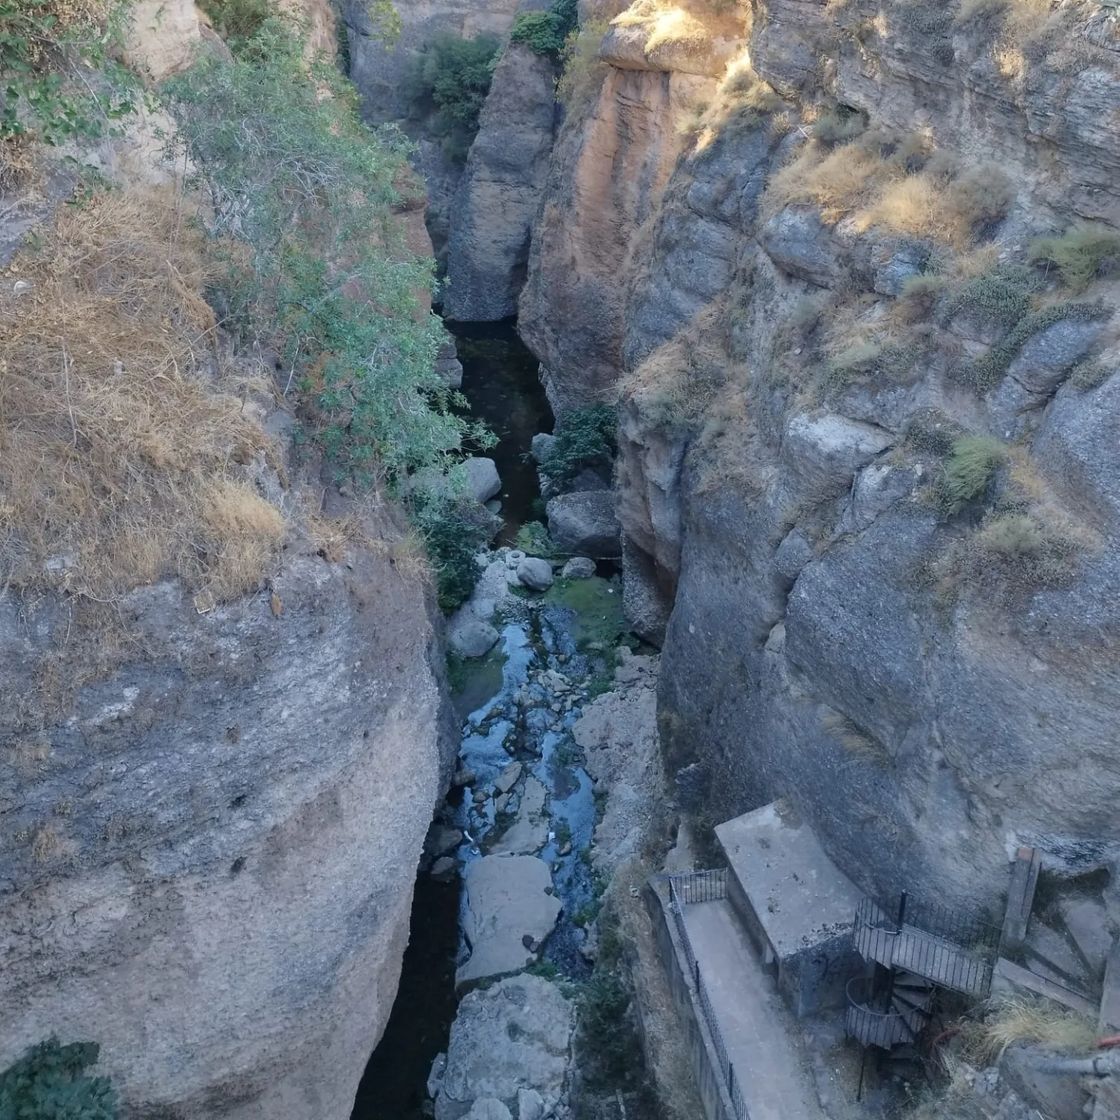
(379, 69)
(212, 828)
(497, 199)
(214, 801)
(816, 305)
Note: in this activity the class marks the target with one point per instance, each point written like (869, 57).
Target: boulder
(469, 636)
(541, 446)
(530, 1105)
(585, 522)
(482, 478)
(534, 573)
(507, 904)
(489, 1108)
(506, 1040)
(579, 567)
(797, 241)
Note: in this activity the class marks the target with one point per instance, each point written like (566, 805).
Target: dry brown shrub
(840, 182)
(119, 447)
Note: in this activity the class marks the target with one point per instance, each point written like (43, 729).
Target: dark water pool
(500, 381)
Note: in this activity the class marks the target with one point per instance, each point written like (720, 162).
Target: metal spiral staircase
(908, 957)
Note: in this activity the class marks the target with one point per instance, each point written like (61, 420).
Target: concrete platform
(795, 902)
(762, 1041)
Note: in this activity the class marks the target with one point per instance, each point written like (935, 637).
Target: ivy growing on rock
(585, 439)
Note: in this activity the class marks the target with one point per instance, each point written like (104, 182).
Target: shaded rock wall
(493, 209)
(835, 636)
(212, 828)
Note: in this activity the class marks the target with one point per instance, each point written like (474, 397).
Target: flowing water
(517, 704)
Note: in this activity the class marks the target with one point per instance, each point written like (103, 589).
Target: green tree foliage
(50, 1083)
(585, 438)
(453, 530)
(449, 83)
(306, 196)
(58, 79)
(547, 32)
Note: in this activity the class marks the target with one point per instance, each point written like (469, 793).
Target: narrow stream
(516, 705)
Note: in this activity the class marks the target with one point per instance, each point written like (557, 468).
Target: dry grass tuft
(668, 27)
(1037, 1021)
(910, 191)
(842, 181)
(1023, 20)
(119, 453)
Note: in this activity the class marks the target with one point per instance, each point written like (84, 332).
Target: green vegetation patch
(1080, 255)
(533, 539)
(50, 1082)
(453, 530)
(547, 32)
(60, 78)
(448, 84)
(987, 372)
(1001, 298)
(969, 471)
(600, 621)
(585, 439)
(315, 261)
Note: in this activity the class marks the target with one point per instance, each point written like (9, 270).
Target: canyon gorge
(841, 275)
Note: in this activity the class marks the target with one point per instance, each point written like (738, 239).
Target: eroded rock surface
(509, 1043)
(929, 691)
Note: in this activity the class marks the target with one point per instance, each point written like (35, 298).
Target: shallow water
(501, 384)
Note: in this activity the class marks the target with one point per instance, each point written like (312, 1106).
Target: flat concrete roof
(799, 895)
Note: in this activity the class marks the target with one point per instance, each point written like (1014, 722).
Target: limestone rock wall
(497, 199)
(929, 692)
(212, 825)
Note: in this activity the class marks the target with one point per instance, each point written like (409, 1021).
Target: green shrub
(58, 72)
(453, 531)
(306, 195)
(50, 1083)
(583, 68)
(547, 32)
(969, 471)
(448, 83)
(236, 19)
(1080, 255)
(585, 438)
(1001, 297)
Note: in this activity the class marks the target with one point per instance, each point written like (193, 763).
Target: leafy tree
(449, 82)
(50, 1083)
(585, 438)
(305, 198)
(547, 32)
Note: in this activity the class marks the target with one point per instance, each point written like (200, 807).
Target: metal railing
(689, 889)
(947, 946)
(871, 1026)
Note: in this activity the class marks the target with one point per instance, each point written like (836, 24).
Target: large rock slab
(510, 1039)
(585, 523)
(507, 904)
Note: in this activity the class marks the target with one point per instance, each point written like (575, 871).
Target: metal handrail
(691, 888)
